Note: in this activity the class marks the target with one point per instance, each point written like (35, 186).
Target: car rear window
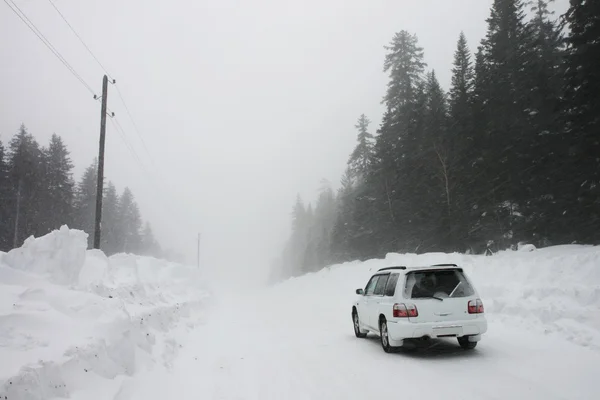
(439, 283)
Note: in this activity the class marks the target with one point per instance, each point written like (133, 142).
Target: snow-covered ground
(295, 340)
(71, 319)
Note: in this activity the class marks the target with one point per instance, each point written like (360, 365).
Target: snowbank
(67, 313)
(59, 256)
(555, 290)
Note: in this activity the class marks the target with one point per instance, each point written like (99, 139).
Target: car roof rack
(390, 268)
(444, 265)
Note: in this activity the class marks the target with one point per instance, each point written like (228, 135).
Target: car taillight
(402, 310)
(475, 306)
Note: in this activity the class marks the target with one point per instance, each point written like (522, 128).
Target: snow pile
(555, 290)
(59, 255)
(69, 317)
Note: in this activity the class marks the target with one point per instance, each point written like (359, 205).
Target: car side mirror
(360, 291)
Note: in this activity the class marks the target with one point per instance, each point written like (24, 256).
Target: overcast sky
(241, 103)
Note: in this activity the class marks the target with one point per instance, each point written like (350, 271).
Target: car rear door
(375, 303)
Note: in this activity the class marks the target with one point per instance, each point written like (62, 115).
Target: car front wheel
(356, 322)
(466, 344)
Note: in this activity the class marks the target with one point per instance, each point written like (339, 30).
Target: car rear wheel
(466, 344)
(385, 337)
(356, 322)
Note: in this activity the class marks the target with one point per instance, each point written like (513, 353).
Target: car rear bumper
(399, 330)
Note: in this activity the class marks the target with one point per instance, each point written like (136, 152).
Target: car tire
(356, 323)
(466, 344)
(384, 335)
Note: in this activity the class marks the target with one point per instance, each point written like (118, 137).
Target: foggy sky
(242, 104)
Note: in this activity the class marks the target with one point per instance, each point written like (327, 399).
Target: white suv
(403, 304)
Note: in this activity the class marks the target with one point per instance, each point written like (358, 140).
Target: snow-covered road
(269, 346)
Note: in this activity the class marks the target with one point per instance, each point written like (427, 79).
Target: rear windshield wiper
(429, 297)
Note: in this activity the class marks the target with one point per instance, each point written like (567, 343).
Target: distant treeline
(510, 154)
(38, 194)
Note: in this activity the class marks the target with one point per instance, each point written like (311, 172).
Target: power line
(137, 131)
(121, 132)
(80, 39)
(152, 179)
(23, 17)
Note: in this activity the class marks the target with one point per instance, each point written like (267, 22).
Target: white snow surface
(293, 340)
(67, 314)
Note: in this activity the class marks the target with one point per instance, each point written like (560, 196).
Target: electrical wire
(80, 39)
(121, 132)
(137, 131)
(23, 17)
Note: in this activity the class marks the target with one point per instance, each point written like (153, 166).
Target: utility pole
(198, 254)
(100, 187)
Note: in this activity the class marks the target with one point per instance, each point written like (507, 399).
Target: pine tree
(434, 196)
(85, 202)
(149, 245)
(393, 174)
(507, 136)
(59, 186)
(582, 115)
(545, 75)
(362, 156)
(26, 172)
(462, 85)
(299, 238)
(129, 223)
(110, 220)
(323, 224)
(6, 200)
(461, 122)
(344, 227)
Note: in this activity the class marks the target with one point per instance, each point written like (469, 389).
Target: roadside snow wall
(68, 314)
(554, 290)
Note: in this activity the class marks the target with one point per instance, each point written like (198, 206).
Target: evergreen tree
(397, 148)
(461, 121)
(462, 86)
(149, 245)
(581, 170)
(85, 202)
(362, 156)
(545, 76)
(507, 135)
(110, 220)
(344, 227)
(434, 196)
(323, 224)
(6, 197)
(26, 172)
(129, 223)
(59, 186)
(299, 238)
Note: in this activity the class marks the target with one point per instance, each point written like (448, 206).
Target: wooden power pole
(100, 187)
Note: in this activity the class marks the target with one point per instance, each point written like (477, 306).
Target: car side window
(390, 288)
(380, 287)
(371, 285)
